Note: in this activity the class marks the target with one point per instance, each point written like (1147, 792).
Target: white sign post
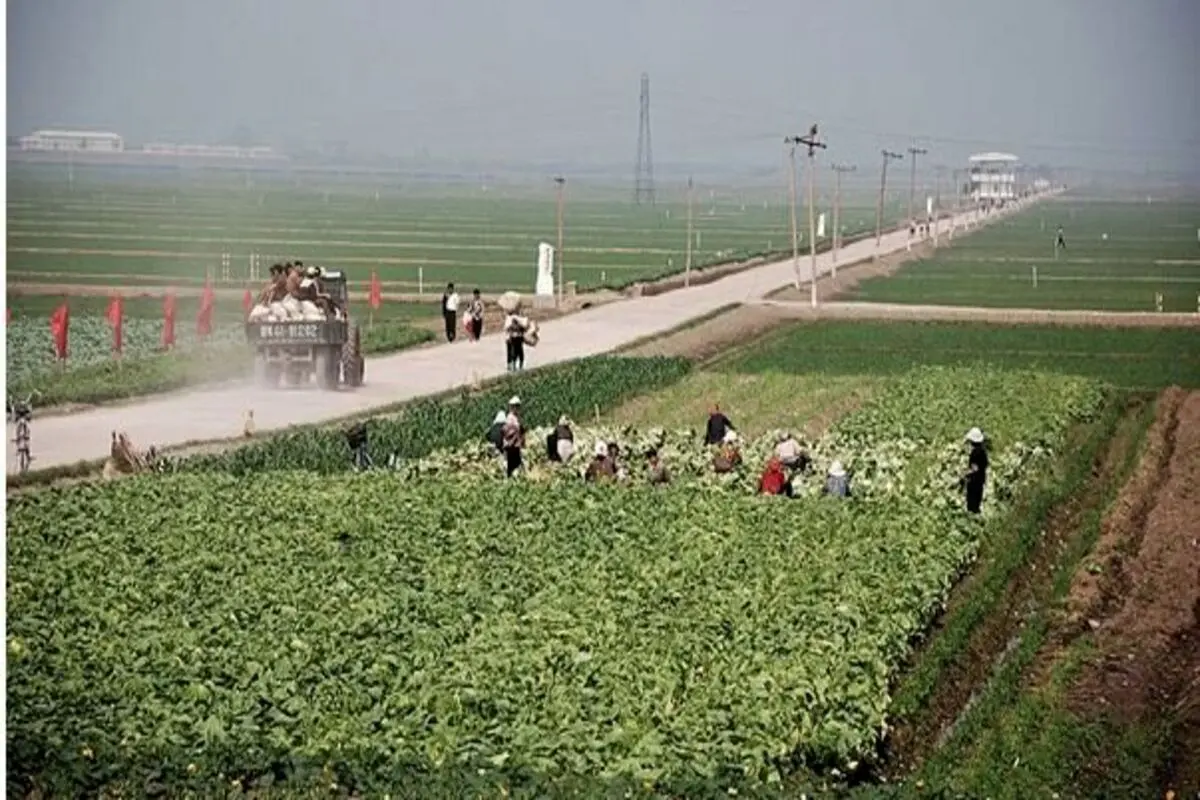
(544, 283)
(821, 226)
(1034, 277)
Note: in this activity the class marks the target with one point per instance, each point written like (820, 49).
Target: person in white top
(450, 311)
(790, 452)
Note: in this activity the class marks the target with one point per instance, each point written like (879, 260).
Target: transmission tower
(643, 185)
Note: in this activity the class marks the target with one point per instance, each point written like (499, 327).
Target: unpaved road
(218, 412)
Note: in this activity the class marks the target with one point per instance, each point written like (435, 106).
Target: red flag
(60, 322)
(168, 332)
(115, 316)
(375, 297)
(204, 316)
(247, 302)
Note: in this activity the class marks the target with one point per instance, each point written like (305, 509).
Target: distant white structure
(544, 286)
(73, 141)
(993, 177)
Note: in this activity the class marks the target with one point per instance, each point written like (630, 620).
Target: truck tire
(354, 366)
(266, 374)
(325, 367)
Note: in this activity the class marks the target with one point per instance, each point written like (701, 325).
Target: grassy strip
(1018, 743)
(695, 322)
(123, 379)
(577, 389)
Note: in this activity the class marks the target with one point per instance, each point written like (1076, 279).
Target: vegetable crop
(180, 628)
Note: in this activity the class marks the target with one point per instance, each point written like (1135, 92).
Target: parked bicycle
(20, 413)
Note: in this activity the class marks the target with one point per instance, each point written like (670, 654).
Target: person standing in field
(1060, 243)
(718, 425)
(475, 316)
(514, 437)
(977, 466)
(837, 482)
(450, 311)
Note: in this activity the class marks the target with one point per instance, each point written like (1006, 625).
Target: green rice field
(148, 227)
(1151, 248)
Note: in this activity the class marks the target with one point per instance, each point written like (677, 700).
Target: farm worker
(514, 436)
(656, 471)
(790, 452)
(560, 444)
(718, 426)
(292, 280)
(837, 482)
(475, 316)
(977, 466)
(1059, 241)
(450, 311)
(729, 456)
(773, 480)
(614, 457)
(515, 326)
(601, 467)
(495, 433)
(276, 287)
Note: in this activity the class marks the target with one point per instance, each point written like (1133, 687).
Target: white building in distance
(993, 177)
(73, 141)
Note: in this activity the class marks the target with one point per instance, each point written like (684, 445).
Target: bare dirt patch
(1028, 587)
(1146, 663)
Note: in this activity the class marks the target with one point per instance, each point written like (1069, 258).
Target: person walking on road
(450, 311)
(1060, 243)
(977, 465)
(475, 316)
(515, 327)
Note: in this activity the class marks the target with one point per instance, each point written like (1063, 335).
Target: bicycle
(21, 414)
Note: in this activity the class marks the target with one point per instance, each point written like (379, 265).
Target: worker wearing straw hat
(977, 465)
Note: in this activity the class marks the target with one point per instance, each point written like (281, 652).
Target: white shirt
(787, 449)
(452, 302)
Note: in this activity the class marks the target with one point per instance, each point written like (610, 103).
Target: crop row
(377, 630)
(577, 389)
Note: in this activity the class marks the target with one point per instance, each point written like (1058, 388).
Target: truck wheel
(266, 374)
(354, 366)
(324, 366)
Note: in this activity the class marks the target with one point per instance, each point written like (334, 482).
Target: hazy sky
(1069, 81)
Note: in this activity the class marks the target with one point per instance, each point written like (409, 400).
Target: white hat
(783, 436)
(602, 449)
(730, 437)
(500, 419)
(836, 469)
(307, 282)
(975, 436)
(563, 420)
(514, 401)
(313, 271)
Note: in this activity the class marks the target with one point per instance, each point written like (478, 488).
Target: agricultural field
(1119, 255)
(161, 227)
(581, 635)
(430, 628)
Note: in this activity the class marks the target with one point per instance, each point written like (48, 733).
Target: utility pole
(912, 182)
(687, 263)
(887, 156)
(811, 142)
(560, 186)
(837, 210)
(792, 197)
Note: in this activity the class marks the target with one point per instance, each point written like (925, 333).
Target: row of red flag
(60, 320)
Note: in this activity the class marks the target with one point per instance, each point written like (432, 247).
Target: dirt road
(218, 412)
